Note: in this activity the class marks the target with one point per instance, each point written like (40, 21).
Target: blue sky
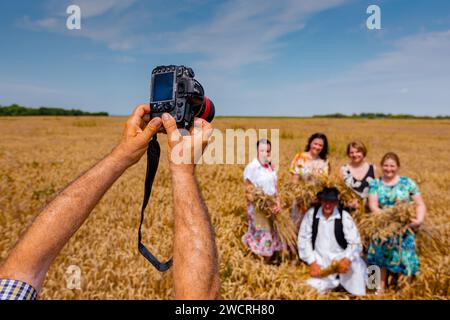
(261, 57)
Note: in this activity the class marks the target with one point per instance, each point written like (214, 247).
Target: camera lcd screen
(163, 86)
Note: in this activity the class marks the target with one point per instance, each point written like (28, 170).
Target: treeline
(378, 116)
(16, 110)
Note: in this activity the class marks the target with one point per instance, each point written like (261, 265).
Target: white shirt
(261, 177)
(327, 249)
(326, 246)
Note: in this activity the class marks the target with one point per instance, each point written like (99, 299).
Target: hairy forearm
(59, 220)
(195, 260)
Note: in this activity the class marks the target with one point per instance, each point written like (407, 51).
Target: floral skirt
(397, 254)
(261, 241)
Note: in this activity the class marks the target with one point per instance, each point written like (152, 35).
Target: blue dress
(396, 254)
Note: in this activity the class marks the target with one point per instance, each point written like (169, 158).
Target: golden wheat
(386, 223)
(40, 155)
(332, 268)
(281, 222)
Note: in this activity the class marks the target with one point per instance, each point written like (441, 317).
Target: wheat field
(40, 155)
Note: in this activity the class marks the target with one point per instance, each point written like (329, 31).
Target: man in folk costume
(328, 239)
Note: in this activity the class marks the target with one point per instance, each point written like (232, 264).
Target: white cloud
(49, 23)
(417, 67)
(90, 8)
(243, 32)
(26, 88)
(412, 77)
(99, 7)
(237, 33)
(31, 94)
(40, 24)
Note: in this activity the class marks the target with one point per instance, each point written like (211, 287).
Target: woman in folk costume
(358, 173)
(313, 161)
(261, 238)
(397, 254)
(310, 165)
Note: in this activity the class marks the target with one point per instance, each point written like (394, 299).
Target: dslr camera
(174, 90)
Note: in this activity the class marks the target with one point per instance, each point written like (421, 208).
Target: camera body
(174, 90)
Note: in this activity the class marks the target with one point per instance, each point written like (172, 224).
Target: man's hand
(185, 151)
(315, 270)
(344, 265)
(136, 135)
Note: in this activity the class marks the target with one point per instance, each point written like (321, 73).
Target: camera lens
(207, 110)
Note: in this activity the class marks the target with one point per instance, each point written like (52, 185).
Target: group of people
(327, 233)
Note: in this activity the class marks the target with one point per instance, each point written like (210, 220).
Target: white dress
(327, 249)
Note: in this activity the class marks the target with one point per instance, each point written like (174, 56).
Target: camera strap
(153, 153)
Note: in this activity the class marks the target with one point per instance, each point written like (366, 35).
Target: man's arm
(195, 261)
(351, 234)
(195, 258)
(33, 254)
(305, 249)
(304, 243)
(354, 246)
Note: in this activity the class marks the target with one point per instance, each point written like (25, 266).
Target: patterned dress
(360, 187)
(304, 166)
(308, 170)
(261, 238)
(397, 254)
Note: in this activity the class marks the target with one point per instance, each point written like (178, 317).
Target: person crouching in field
(358, 173)
(330, 244)
(397, 254)
(309, 166)
(261, 238)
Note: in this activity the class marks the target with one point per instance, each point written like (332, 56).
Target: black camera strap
(153, 153)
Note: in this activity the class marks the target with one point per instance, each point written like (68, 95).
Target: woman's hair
(392, 156)
(323, 154)
(358, 145)
(263, 141)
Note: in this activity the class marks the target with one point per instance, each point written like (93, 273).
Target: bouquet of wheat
(331, 269)
(347, 195)
(302, 193)
(263, 202)
(386, 223)
(282, 224)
